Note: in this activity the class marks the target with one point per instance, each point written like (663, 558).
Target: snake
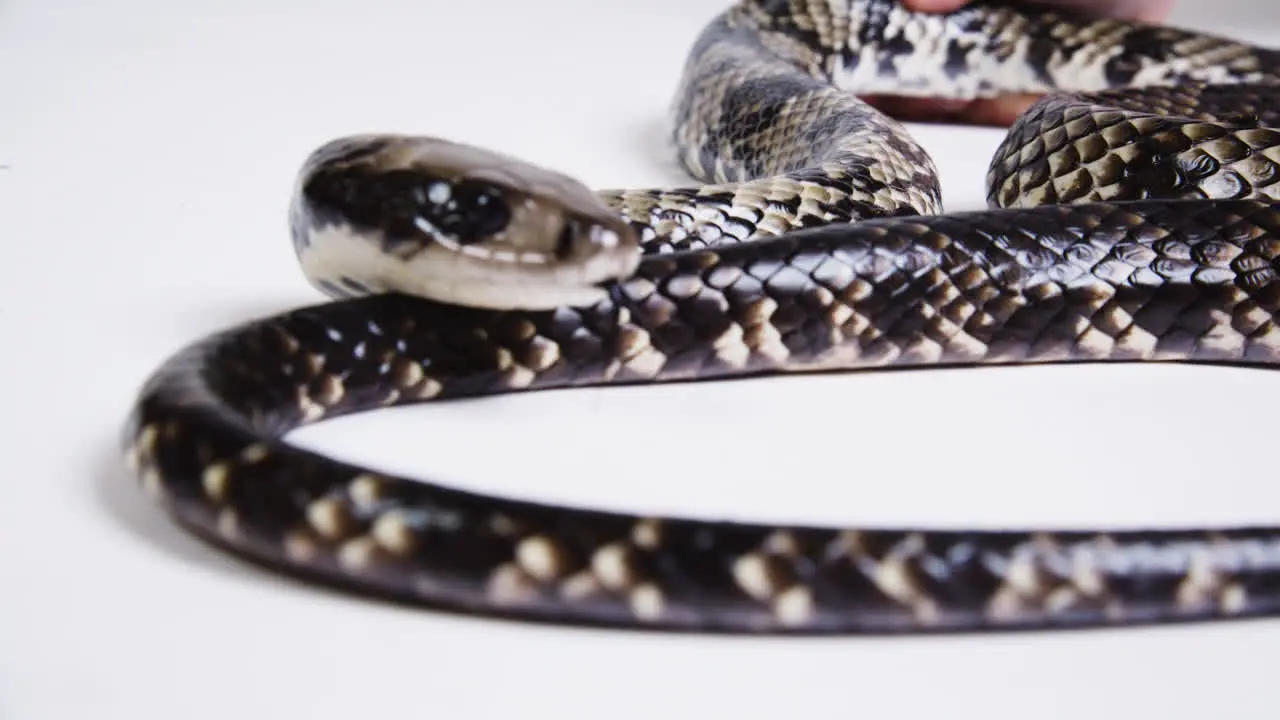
(1131, 217)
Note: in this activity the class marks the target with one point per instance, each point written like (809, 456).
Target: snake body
(1135, 218)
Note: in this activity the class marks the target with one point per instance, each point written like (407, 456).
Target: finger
(916, 109)
(935, 6)
(1141, 10)
(999, 111)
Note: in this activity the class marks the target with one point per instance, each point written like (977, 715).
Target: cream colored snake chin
(1130, 224)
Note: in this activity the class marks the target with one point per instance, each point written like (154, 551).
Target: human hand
(1005, 109)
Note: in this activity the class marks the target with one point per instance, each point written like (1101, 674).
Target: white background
(148, 150)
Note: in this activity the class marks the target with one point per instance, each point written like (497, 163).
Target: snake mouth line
(336, 258)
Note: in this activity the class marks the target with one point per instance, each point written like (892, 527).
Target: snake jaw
(454, 224)
(342, 261)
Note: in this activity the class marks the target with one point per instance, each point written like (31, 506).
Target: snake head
(453, 223)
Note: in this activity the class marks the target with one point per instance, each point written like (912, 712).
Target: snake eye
(405, 203)
(466, 211)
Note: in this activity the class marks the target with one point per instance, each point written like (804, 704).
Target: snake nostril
(565, 241)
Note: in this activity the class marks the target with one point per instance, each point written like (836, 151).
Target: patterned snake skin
(1135, 218)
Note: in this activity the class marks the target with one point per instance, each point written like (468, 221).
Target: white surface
(148, 151)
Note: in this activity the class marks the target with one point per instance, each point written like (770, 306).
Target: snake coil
(1134, 218)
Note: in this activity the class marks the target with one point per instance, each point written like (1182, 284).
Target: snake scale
(1134, 218)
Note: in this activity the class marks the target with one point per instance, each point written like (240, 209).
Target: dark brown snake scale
(1129, 224)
